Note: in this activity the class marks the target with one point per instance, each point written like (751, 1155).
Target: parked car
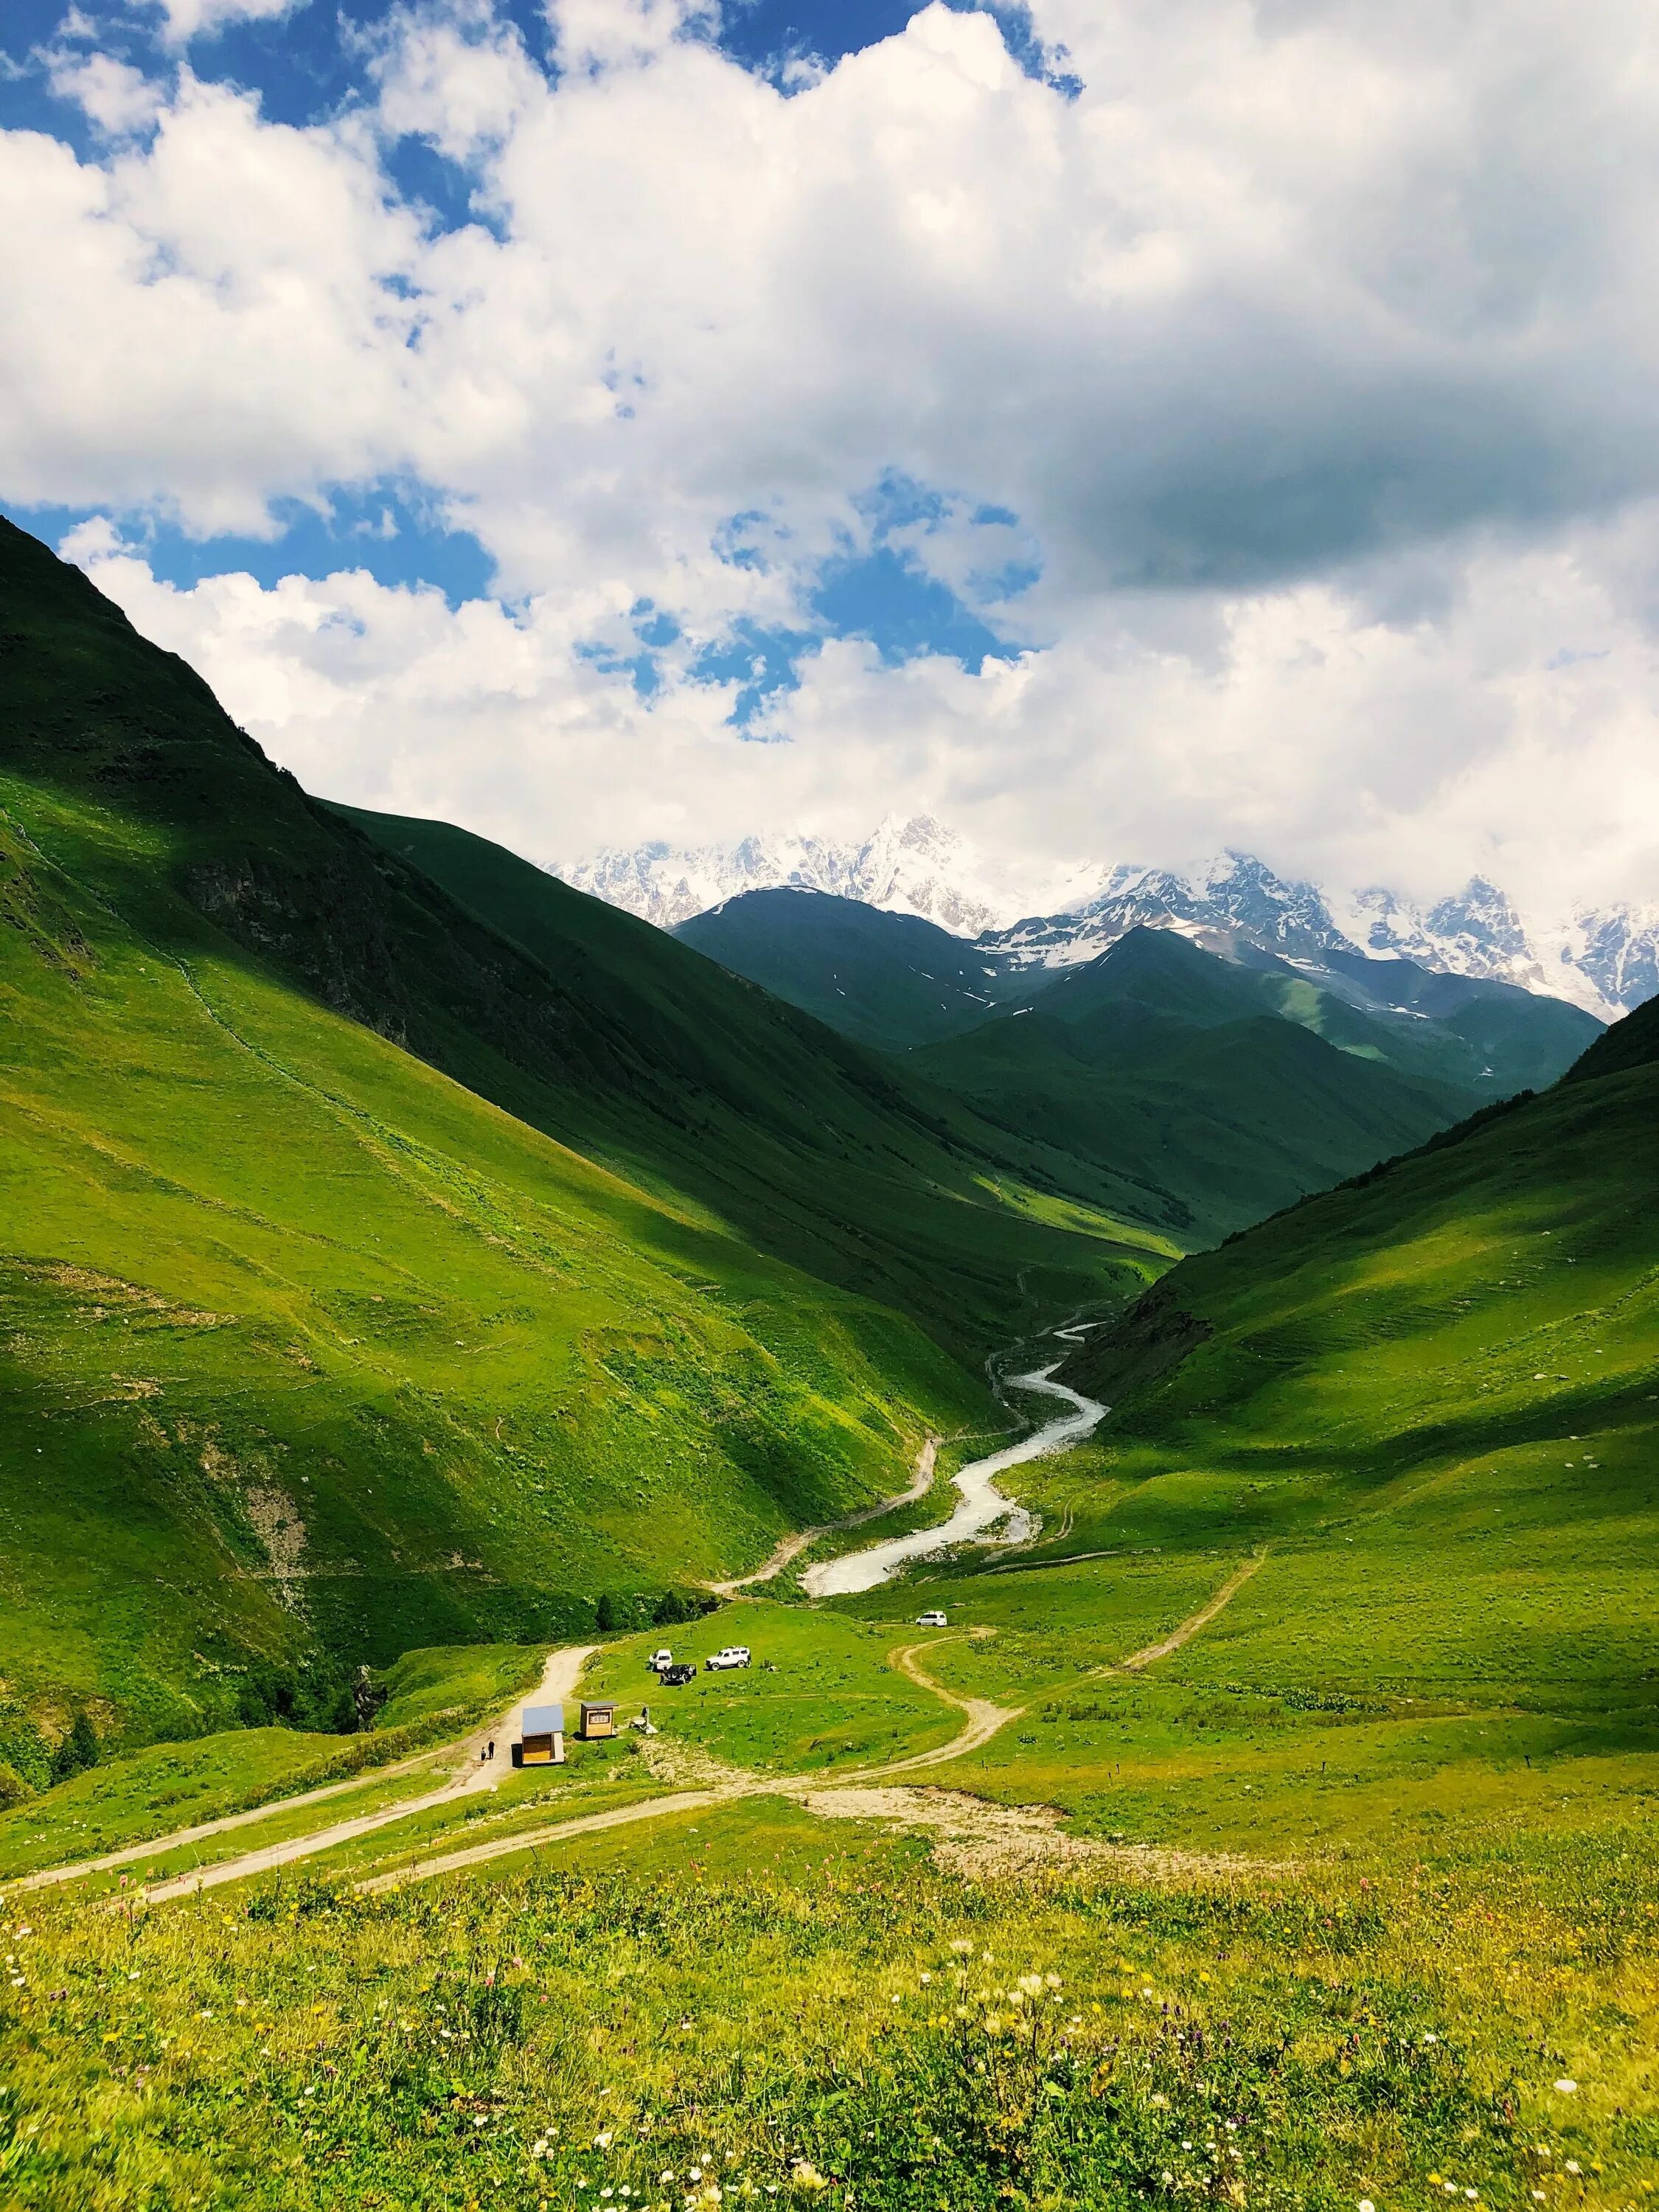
(934, 1619)
(658, 1660)
(673, 1677)
(731, 1655)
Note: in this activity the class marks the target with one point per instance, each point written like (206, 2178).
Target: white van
(930, 1620)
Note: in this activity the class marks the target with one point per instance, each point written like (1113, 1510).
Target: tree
(606, 1615)
(76, 1751)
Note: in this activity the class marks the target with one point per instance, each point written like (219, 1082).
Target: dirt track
(468, 1774)
(1018, 1832)
(793, 1546)
(1190, 1627)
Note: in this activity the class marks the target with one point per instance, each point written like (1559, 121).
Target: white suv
(930, 1620)
(732, 1654)
(658, 1660)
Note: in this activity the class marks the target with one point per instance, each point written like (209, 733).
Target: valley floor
(1017, 1911)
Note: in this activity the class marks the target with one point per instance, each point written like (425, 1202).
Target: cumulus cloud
(1309, 730)
(1308, 348)
(119, 98)
(190, 19)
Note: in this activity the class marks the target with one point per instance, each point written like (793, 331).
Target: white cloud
(119, 98)
(1311, 345)
(1308, 731)
(190, 19)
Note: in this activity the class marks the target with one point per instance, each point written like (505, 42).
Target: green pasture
(751, 2001)
(820, 1692)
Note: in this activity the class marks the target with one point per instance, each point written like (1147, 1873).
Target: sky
(1122, 429)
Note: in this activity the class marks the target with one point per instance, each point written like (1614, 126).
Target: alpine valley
(442, 1314)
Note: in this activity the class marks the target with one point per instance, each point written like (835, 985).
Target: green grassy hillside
(1431, 1400)
(373, 1280)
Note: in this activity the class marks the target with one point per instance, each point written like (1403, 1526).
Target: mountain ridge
(1604, 959)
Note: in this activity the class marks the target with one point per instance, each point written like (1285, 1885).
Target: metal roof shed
(541, 1737)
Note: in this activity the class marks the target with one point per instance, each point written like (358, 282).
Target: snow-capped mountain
(1605, 960)
(1235, 902)
(909, 865)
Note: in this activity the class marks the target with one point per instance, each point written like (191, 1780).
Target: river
(982, 1503)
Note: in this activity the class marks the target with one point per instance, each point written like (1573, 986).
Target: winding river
(982, 1503)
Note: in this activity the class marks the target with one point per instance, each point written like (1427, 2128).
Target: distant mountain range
(1604, 959)
(1197, 1088)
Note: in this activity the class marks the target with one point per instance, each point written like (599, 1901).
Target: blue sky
(1120, 429)
(313, 63)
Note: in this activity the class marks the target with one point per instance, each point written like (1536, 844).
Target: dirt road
(467, 1773)
(982, 1721)
(1190, 1627)
(793, 1546)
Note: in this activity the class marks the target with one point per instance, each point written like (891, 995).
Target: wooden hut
(598, 1720)
(541, 1736)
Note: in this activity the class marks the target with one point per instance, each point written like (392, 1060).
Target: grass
(380, 1273)
(820, 1692)
(850, 2028)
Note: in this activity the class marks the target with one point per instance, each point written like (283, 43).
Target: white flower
(1564, 2087)
(1365, 2205)
(1573, 2167)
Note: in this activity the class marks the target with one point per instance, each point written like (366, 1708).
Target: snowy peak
(910, 865)
(1605, 960)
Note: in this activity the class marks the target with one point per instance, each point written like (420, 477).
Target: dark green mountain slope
(1436, 1394)
(1516, 1040)
(370, 1279)
(1160, 1061)
(888, 980)
(895, 982)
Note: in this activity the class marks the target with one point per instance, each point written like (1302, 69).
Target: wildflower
(1573, 2167)
(602, 2142)
(960, 1943)
(665, 2176)
(1365, 2205)
(1564, 2087)
(804, 2175)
